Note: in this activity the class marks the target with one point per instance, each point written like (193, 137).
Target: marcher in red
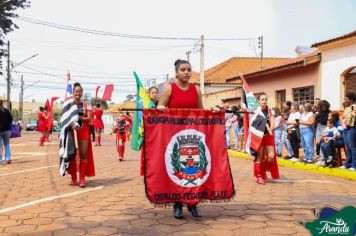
(98, 124)
(266, 155)
(181, 94)
(86, 160)
(121, 127)
(42, 125)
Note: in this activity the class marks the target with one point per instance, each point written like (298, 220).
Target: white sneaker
(342, 167)
(330, 158)
(310, 161)
(322, 163)
(294, 159)
(352, 169)
(319, 162)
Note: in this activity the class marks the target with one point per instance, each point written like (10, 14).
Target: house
(216, 76)
(281, 78)
(338, 68)
(327, 70)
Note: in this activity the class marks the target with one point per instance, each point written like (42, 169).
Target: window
(350, 81)
(280, 98)
(303, 95)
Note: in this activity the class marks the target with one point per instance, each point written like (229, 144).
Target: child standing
(329, 135)
(121, 128)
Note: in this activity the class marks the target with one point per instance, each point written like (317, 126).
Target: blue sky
(92, 59)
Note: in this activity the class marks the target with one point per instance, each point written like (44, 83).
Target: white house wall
(334, 62)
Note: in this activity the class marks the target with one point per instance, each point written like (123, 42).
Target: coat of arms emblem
(188, 158)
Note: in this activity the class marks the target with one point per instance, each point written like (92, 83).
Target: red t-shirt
(183, 99)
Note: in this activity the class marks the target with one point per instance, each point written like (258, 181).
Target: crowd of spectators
(319, 132)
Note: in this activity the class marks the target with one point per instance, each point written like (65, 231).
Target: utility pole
(202, 88)
(188, 53)
(260, 42)
(8, 80)
(167, 77)
(21, 100)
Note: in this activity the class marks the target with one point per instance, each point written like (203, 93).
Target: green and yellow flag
(142, 101)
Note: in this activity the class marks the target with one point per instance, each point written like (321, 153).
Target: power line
(142, 76)
(87, 76)
(114, 34)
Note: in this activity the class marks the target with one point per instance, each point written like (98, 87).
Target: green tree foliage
(15, 114)
(103, 104)
(7, 9)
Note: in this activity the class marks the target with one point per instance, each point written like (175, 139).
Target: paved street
(114, 202)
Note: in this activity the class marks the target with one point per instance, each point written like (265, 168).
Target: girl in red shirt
(121, 127)
(181, 94)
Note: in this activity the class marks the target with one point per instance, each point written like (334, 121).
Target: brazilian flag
(142, 101)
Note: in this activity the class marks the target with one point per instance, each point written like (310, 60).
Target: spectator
(315, 112)
(235, 125)
(5, 132)
(19, 123)
(293, 131)
(329, 135)
(321, 120)
(349, 124)
(278, 129)
(315, 108)
(241, 143)
(286, 141)
(306, 126)
(228, 117)
(339, 141)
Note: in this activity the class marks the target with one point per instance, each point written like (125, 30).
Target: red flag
(183, 161)
(50, 114)
(47, 105)
(108, 92)
(96, 91)
(53, 99)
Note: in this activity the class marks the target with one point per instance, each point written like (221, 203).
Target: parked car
(57, 128)
(31, 125)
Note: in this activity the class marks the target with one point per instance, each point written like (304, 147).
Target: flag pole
(180, 109)
(68, 78)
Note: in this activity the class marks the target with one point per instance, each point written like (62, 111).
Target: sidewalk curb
(346, 174)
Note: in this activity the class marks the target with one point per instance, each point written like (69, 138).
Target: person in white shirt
(293, 130)
(329, 135)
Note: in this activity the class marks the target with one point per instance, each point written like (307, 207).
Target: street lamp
(13, 66)
(9, 69)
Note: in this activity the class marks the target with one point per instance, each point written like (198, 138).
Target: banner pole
(181, 109)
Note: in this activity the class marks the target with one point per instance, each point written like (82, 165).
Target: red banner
(50, 113)
(109, 88)
(186, 157)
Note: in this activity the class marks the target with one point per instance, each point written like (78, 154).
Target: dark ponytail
(179, 62)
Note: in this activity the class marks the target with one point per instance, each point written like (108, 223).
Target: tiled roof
(127, 104)
(228, 69)
(287, 63)
(349, 35)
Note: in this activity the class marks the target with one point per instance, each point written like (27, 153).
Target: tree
(7, 9)
(15, 114)
(103, 104)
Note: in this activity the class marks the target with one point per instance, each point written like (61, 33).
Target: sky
(97, 60)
